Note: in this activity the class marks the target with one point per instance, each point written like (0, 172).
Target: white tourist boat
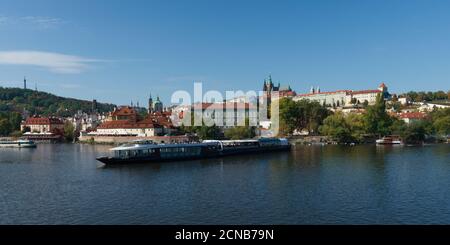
(17, 144)
(390, 140)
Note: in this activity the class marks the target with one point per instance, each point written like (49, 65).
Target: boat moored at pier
(390, 140)
(17, 144)
(148, 151)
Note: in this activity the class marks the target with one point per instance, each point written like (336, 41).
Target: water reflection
(64, 184)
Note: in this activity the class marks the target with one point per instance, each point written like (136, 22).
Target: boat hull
(17, 145)
(389, 142)
(156, 159)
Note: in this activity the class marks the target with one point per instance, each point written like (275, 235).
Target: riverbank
(327, 140)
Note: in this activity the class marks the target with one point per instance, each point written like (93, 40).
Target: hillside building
(342, 98)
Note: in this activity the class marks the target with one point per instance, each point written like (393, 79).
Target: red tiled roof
(332, 92)
(224, 106)
(287, 93)
(42, 121)
(123, 111)
(413, 115)
(128, 124)
(369, 91)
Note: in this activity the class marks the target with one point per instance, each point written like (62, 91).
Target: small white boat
(390, 140)
(17, 144)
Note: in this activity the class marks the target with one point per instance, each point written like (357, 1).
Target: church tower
(94, 106)
(158, 106)
(150, 104)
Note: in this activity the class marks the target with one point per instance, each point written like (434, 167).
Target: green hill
(46, 104)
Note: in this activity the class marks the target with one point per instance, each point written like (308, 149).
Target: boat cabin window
(269, 142)
(134, 153)
(241, 143)
(182, 151)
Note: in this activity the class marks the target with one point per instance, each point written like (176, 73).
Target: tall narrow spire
(24, 83)
(150, 104)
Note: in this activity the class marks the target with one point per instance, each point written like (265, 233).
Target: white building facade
(342, 98)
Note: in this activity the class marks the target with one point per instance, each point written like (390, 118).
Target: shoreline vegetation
(356, 128)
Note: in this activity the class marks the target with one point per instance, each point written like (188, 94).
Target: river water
(367, 184)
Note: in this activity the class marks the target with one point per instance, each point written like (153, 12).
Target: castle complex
(345, 97)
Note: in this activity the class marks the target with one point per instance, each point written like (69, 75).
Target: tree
(9, 122)
(204, 132)
(208, 132)
(289, 116)
(376, 119)
(440, 120)
(315, 114)
(26, 129)
(396, 106)
(412, 96)
(44, 103)
(394, 98)
(365, 103)
(69, 131)
(440, 95)
(240, 132)
(14, 120)
(4, 127)
(336, 127)
(357, 127)
(414, 133)
(16, 134)
(343, 128)
(398, 126)
(301, 115)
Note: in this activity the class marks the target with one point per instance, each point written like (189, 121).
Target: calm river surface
(64, 184)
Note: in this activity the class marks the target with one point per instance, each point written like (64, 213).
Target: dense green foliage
(344, 128)
(240, 132)
(42, 103)
(440, 121)
(301, 115)
(376, 119)
(427, 96)
(69, 131)
(204, 132)
(414, 133)
(9, 122)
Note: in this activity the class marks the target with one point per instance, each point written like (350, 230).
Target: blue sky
(117, 51)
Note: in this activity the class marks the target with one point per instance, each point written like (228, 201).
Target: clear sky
(117, 51)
